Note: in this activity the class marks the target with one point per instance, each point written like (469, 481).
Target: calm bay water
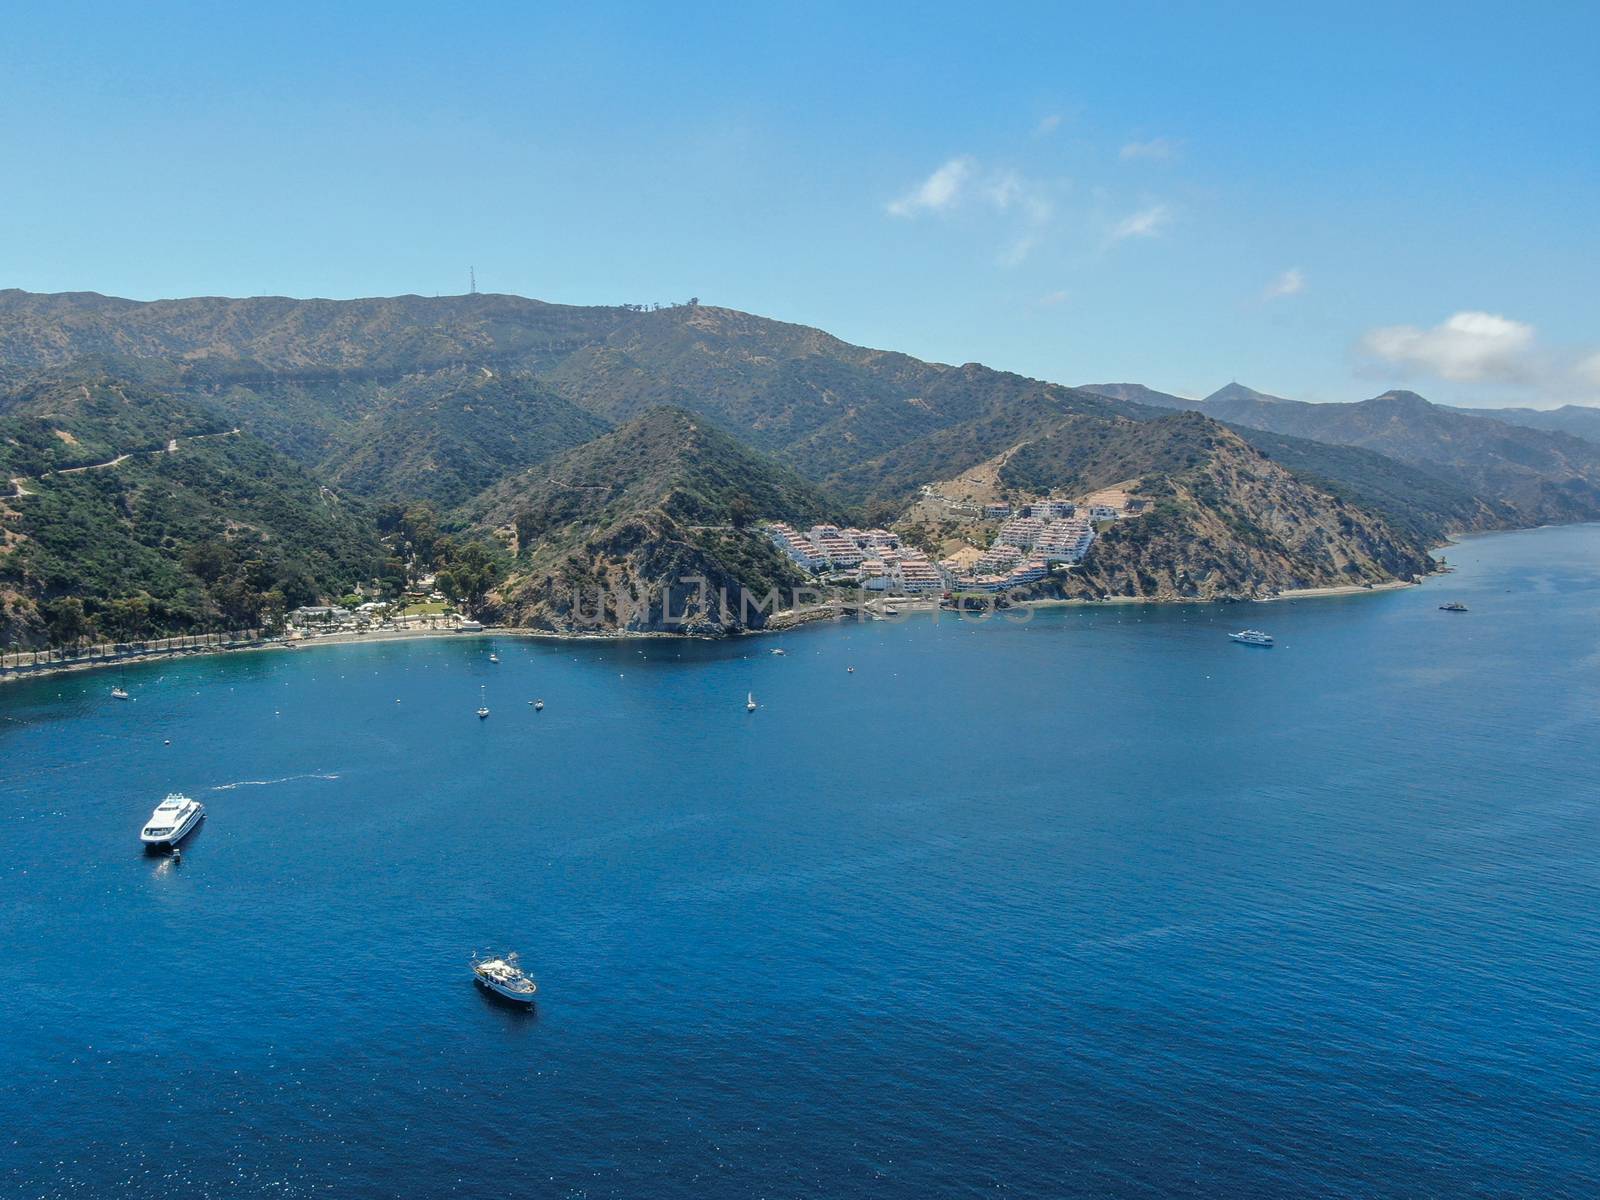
(1098, 905)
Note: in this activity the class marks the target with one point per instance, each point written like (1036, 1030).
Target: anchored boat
(174, 819)
(504, 977)
(1252, 637)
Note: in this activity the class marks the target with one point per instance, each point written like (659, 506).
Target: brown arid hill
(1223, 521)
(639, 515)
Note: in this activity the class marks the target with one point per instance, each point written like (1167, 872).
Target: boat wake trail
(228, 787)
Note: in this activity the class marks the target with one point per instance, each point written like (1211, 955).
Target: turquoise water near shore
(1099, 904)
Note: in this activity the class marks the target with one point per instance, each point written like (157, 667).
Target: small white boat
(538, 706)
(778, 650)
(1252, 637)
(119, 692)
(849, 670)
(173, 820)
(483, 705)
(493, 657)
(504, 977)
(891, 611)
(750, 702)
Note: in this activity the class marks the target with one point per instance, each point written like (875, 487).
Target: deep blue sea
(1096, 905)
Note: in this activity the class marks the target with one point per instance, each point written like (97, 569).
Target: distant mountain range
(1578, 420)
(1526, 475)
(622, 444)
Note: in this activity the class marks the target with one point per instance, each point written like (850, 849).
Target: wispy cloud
(1008, 191)
(1588, 371)
(1022, 204)
(1019, 250)
(1467, 347)
(1052, 299)
(1291, 283)
(939, 192)
(1048, 125)
(1155, 150)
(1147, 222)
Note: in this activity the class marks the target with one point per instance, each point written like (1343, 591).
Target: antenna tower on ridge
(472, 274)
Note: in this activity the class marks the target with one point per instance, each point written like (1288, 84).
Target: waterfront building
(1065, 541)
(999, 557)
(1021, 532)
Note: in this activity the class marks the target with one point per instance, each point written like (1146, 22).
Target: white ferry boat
(1252, 637)
(174, 819)
(504, 977)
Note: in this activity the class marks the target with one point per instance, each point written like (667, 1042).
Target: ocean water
(1096, 905)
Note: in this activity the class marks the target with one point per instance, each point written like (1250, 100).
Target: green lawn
(429, 608)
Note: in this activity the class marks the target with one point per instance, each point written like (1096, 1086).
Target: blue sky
(1320, 203)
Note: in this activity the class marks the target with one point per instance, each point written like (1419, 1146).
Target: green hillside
(195, 527)
(661, 498)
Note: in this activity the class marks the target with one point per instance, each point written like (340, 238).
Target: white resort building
(875, 558)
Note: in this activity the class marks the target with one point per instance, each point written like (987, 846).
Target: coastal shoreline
(782, 622)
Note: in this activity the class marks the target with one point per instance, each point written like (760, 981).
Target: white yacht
(493, 657)
(173, 820)
(750, 702)
(119, 692)
(1252, 637)
(483, 705)
(504, 977)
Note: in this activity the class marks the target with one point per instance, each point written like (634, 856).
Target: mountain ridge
(692, 422)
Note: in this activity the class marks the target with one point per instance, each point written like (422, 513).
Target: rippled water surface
(1096, 905)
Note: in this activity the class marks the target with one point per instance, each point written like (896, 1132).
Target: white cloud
(1468, 347)
(1291, 283)
(1589, 370)
(939, 192)
(1147, 222)
(1048, 125)
(1023, 205)
(1051, 299)
(1155, 150)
